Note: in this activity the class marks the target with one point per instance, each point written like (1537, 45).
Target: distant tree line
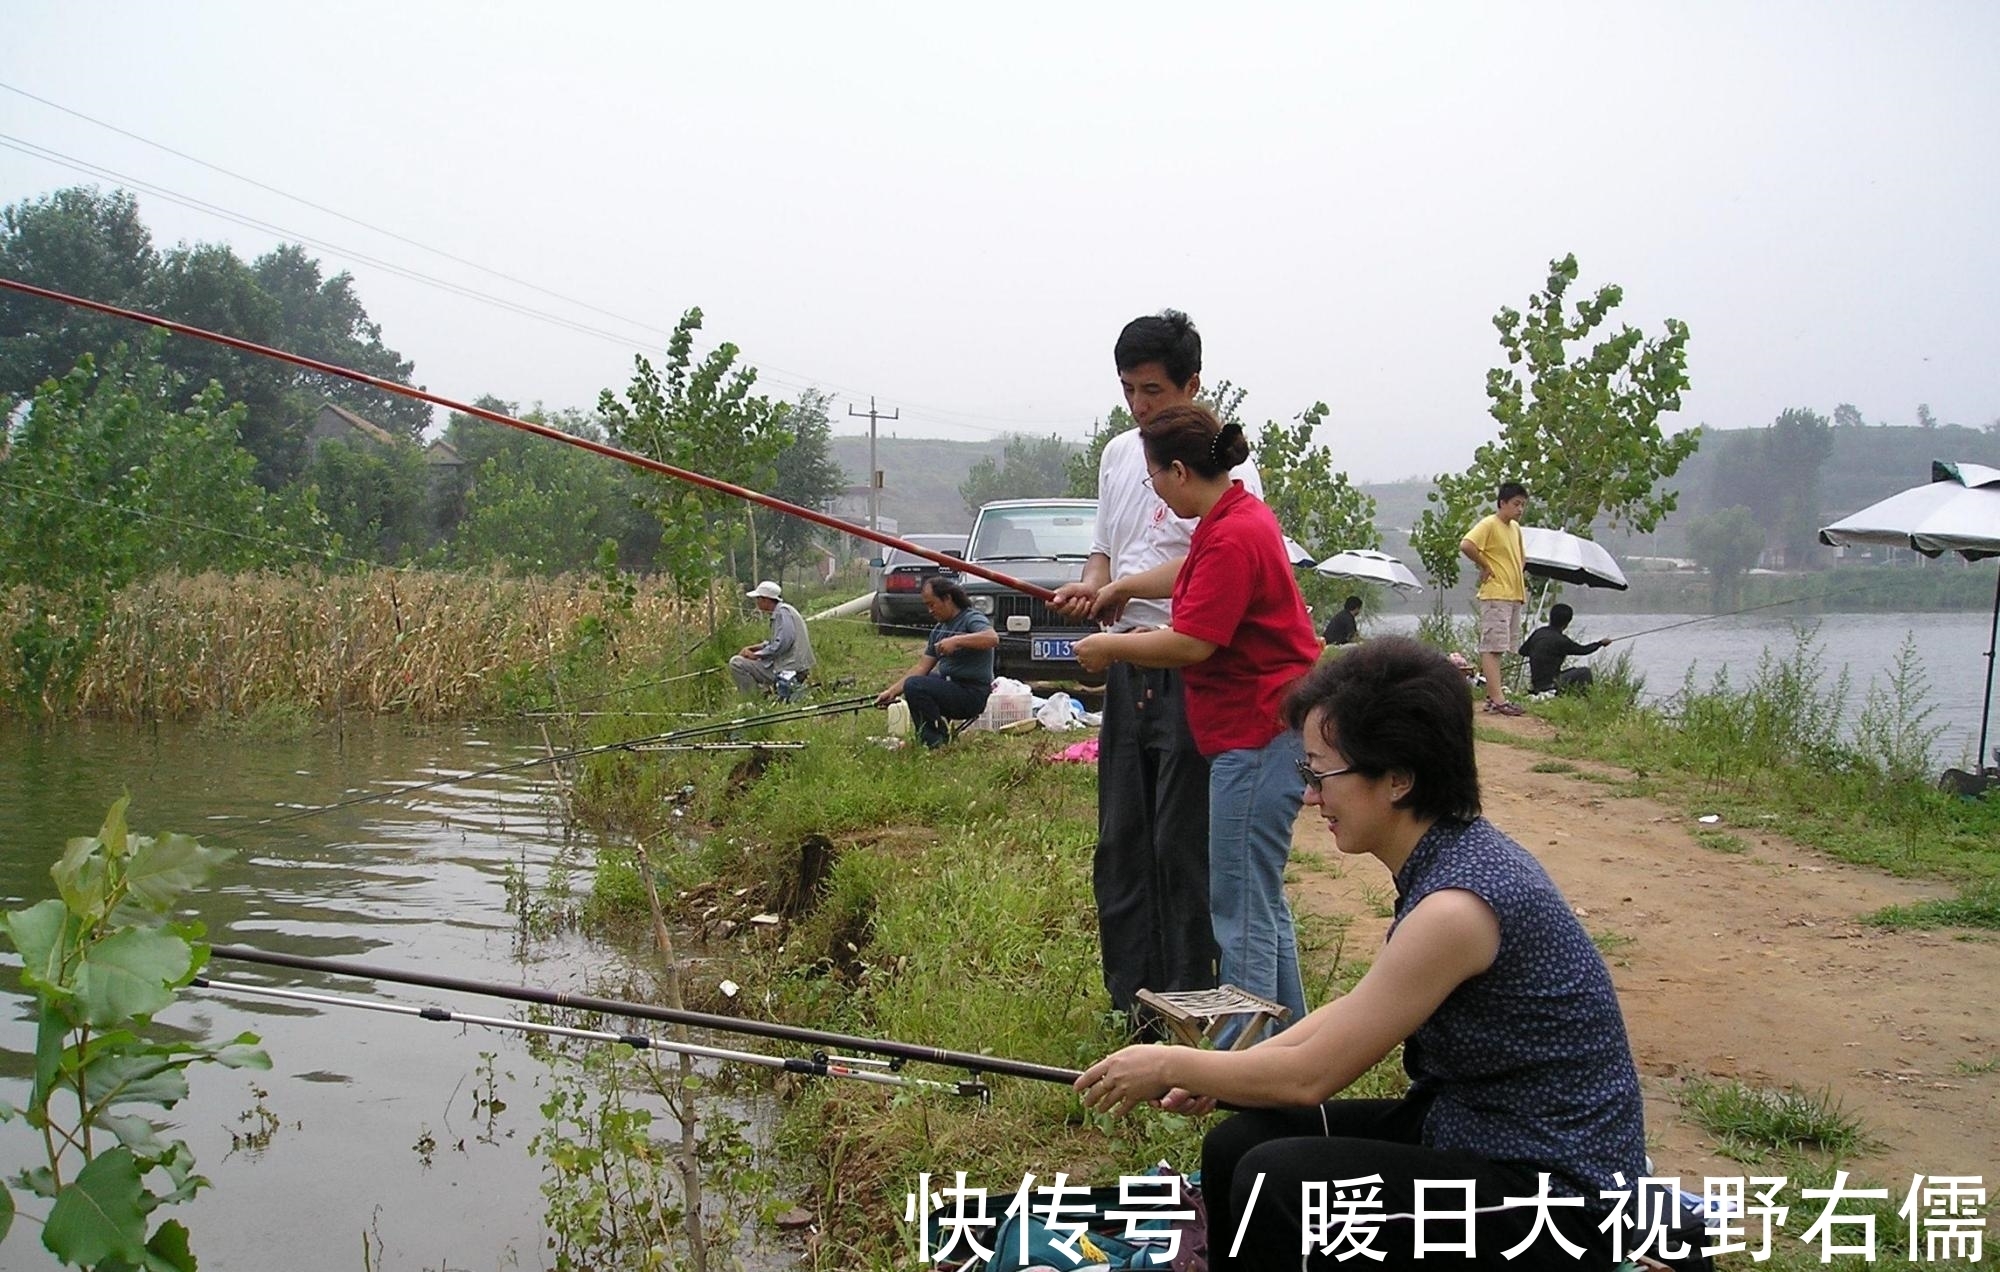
(126, 452)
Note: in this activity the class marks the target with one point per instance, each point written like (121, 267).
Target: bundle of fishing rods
(880, 1061)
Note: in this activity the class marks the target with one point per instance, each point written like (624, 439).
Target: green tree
(1029, 468)
(95, 245)
(806, 476)
(1797, 445)
(1924, 417)
(321, 317)
(702, 417)
(106, 481)
(1848, 415)
(1579, 429)
(1726, 544)
(373, 498)
(1315, 503)
(529, 504)
(74, 240)
(1082, 466)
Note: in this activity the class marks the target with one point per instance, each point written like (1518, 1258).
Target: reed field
(430, 646)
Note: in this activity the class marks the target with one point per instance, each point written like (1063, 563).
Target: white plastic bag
(1059, 712)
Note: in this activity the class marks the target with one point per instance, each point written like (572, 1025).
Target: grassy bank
(1769, 755)
(429, 645)
(954, 909)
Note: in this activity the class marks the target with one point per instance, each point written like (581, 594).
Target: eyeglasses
(1312, 779)
(1155, 472)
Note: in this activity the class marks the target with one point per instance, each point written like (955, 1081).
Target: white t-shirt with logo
(1135, 529)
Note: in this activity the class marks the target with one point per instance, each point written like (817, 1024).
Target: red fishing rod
(540, 430)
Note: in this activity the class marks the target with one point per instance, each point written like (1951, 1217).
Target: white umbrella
(1296, 553)
(1370, 567)
(1569, 558)
(1958, 511)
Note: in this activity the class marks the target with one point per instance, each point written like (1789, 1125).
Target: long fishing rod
(971, 1063)
(842, 706)
(1748, 609)
(821, 1065)
(540, 430)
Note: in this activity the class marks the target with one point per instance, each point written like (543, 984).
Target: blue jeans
(1253, 799)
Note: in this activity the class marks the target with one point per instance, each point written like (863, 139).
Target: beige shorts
(1499, 626)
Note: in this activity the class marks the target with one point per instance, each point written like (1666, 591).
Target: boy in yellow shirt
(1494, 545)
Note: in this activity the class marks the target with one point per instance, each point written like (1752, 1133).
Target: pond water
(376, 1136)
(1950, 646)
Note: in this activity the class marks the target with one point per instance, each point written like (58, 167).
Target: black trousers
(934, 700)
(1150, 875)
(1352, 1139)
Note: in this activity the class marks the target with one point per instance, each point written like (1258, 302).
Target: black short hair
(1512, 490)
(1168, 338)
(1560, 614)
(1395, 705)
(1352, 602)
(948, 589)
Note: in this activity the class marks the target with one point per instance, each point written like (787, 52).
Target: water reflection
(353, 1096)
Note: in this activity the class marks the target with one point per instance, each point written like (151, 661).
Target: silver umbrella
(1569, 558)
(1370, 567)
(1958, 511)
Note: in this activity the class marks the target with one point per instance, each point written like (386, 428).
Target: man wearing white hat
(758, 667)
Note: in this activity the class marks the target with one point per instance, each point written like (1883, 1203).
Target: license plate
(1051, 649)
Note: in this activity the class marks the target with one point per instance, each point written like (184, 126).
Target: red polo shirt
(1237, 593)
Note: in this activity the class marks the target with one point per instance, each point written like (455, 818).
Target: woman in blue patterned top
(1512, 1037)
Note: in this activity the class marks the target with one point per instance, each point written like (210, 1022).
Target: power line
(333, 212)
(338, 251)
(941, 416)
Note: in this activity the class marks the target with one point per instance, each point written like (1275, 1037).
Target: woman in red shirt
(1241, 636)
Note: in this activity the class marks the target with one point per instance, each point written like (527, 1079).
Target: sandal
(1505, 708)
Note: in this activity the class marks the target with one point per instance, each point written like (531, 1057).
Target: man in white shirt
(788, 652)
(1150, 873)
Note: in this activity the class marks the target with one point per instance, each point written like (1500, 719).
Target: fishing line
(539, 430)
(644, 684)
(838, 707)
(971, 1063)
(1749, 609)
(821, 1065)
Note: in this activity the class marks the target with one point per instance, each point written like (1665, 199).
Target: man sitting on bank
(789, 649)
(1546, 649)
(954, 677)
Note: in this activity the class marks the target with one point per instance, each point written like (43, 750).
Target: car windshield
(1033, 534)
(897, 558)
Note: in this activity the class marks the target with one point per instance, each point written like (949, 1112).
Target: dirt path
(1750, 966)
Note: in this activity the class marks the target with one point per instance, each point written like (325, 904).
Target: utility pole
(874, 473)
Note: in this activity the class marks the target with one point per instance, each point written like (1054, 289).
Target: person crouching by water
(1512, 1037)
(954, 677)
(788, 650)
(1241, 635)
(1546, 649)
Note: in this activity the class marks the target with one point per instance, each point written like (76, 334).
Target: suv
(1040, 541)
(898, 607)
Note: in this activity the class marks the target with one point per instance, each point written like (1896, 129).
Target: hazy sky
(956, 210)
